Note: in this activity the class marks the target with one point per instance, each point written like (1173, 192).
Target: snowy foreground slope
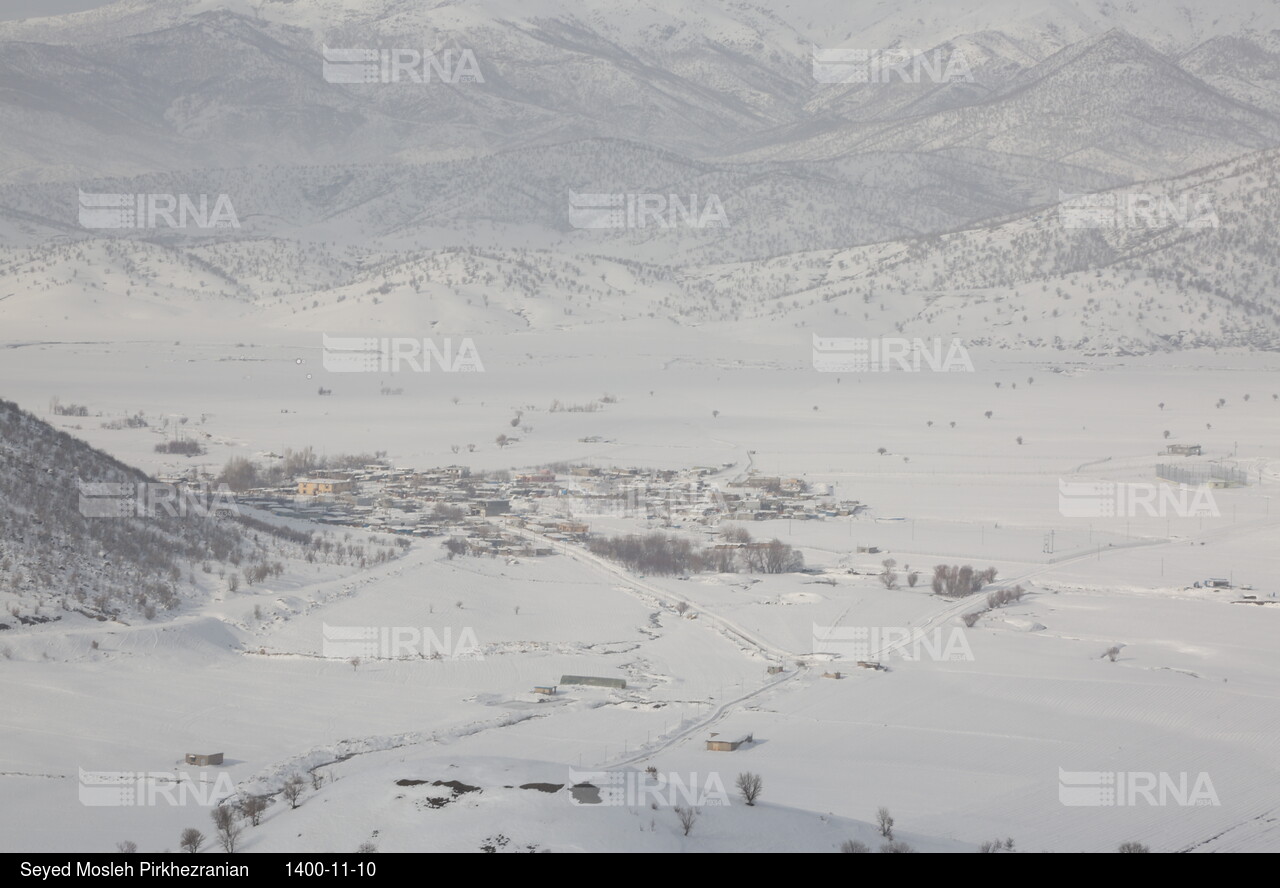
(961, 751)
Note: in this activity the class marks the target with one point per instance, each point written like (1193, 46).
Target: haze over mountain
(705, 100)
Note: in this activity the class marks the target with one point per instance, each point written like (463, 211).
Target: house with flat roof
(727, 742)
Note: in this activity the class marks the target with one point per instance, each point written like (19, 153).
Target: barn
(202, 759)
(594, 681)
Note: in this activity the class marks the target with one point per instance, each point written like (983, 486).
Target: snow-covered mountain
(64, 551)
(137, 85)
(1136, 279)
(698, 100)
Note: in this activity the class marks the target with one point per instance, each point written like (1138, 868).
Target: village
(493, 513)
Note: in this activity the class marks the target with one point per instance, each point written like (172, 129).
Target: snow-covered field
(961, 751)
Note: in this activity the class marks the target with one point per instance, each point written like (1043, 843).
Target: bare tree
(889, 576)
(292, 790)
(896, 848)
(956, 581)
(126, 847)
(252, 808)
(885, 822)
(317, 780)
(367, 848)
(1133, 848)
(191, 840)
(455, 546)
(687, 817)
(851, 846)
(749, 785)
(996, 846)
(227, 826)
(781, 558)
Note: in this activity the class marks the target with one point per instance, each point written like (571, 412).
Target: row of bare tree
(663, 555)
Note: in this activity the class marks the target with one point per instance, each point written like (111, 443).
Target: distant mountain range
(341, 189)
(140, 86)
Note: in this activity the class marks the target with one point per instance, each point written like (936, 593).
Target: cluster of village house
(489, 510)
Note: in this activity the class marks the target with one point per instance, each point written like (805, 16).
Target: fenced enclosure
(1213, 474)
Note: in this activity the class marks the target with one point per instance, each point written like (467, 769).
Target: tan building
(721, 743)
(203, 759)
(318, 486)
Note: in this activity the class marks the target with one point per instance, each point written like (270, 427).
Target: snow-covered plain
(960, 751)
